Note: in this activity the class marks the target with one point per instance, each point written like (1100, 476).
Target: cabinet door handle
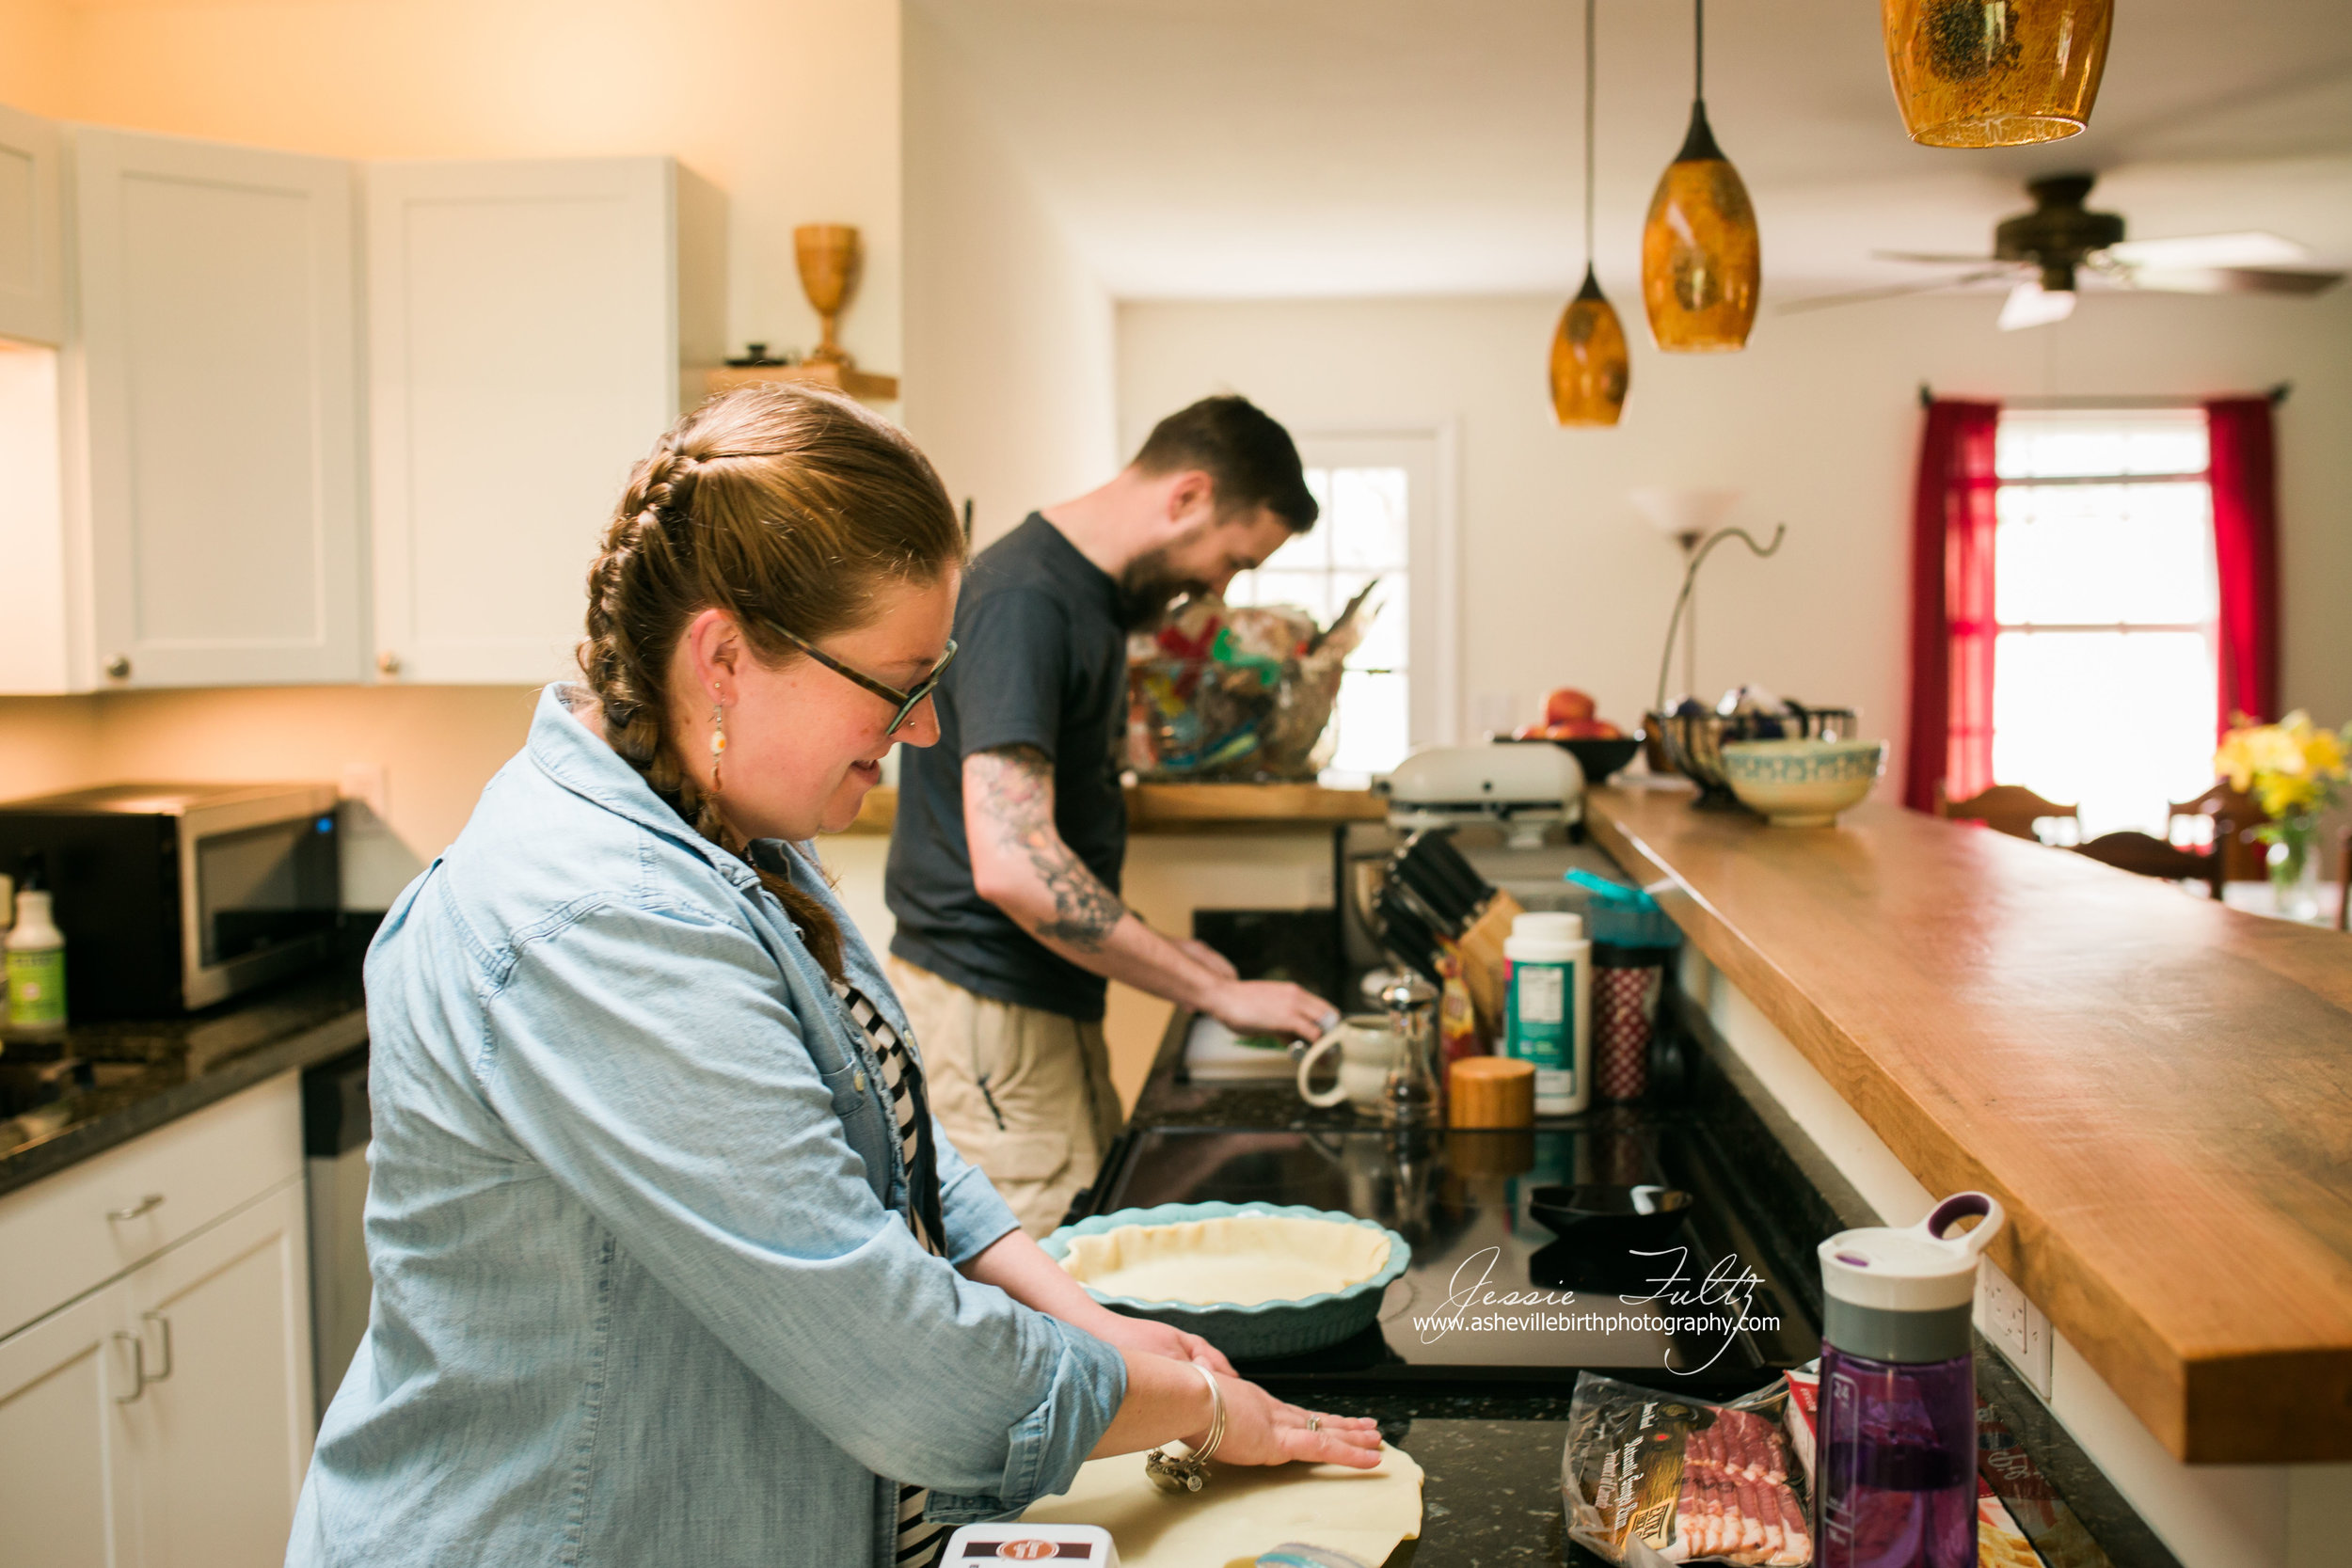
(138, 1367)
(119, 666)
(164, 1323)
(135, 1209)
(389, 663)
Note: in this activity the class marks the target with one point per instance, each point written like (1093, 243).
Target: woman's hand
(1262, 1430)
(1153, 1339)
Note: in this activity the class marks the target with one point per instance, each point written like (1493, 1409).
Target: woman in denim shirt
(670, 1265)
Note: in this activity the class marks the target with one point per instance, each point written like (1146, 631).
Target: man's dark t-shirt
(1042, 661)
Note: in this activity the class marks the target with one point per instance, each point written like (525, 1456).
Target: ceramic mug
(1367, 1049)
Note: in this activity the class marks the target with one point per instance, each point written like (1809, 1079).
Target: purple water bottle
(1896, 1484)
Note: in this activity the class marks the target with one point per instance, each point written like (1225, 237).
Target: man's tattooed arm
(1021, 865)
(1012, 789)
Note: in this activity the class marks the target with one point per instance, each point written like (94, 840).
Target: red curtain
(2246, 555)
(1952, 627)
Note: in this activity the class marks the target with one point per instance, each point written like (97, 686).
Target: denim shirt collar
(568, 752)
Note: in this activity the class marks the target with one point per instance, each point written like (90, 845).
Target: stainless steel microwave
(176, 896)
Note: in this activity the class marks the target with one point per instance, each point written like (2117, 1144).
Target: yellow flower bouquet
(2293, 770)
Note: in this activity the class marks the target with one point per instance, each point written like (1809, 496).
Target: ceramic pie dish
(1254, 1279)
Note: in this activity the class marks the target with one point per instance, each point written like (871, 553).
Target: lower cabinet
(62, 1488)
(164, 1420)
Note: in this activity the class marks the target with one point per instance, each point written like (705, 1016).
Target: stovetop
(1491, 1295)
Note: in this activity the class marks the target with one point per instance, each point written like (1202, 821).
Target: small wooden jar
(1490, 1091)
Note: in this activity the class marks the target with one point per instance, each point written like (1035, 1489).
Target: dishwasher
(335, 1176)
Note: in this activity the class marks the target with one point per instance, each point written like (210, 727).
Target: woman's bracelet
(1190, 1473)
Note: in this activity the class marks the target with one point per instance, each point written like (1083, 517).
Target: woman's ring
(1314, 1423)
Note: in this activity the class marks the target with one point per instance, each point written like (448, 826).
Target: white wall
(1564, 582)
(1009, 336)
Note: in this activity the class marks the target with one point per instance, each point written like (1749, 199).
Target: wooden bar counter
(1176, 808)
(2157, 1087)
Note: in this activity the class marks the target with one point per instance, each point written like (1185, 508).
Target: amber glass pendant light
(1589, 367)
(1700, 259)
(1996, 73)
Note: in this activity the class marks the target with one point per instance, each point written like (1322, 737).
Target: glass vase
(2294, 869)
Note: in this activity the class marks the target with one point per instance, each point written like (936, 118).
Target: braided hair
(773, 503)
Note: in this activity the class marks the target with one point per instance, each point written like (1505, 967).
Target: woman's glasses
(906, 702)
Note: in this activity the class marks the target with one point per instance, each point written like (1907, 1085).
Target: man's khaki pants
(1025, 1095)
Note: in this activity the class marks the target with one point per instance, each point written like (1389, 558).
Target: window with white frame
(1380, 521)
(2104, 671)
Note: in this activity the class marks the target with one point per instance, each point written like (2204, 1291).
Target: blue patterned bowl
(1255, 1331)
(1802, 784)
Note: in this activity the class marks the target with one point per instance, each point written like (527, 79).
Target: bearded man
(1005, 860)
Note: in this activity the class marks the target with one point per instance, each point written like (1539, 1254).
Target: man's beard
(1148, 587)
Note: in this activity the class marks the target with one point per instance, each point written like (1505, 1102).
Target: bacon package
(1655, 1478)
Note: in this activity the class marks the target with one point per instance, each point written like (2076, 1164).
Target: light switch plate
(2015, 1324)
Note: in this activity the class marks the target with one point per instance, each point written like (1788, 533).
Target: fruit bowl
(1598, 758)
(1802, 784)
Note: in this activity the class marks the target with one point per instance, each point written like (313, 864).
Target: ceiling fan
(2060, 247)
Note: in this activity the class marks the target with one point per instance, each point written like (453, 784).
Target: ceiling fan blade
(1935, 256)
(2199, 252)
(2030, 304)
(1891, 291)
(2232, 280)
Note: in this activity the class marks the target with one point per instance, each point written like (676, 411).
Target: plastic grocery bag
(1652, 1477)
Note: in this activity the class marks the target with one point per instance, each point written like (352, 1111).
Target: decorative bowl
(1598, 758)
(1694, 738)
(1246, 1331)
(1802, 784)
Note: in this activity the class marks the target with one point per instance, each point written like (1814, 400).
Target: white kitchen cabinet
(218, 1438)
(528, 324)
(32, 236)
(64, 1502)
(156, 1406)
(213, 412)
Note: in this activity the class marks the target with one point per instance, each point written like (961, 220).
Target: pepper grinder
(1409, 1098)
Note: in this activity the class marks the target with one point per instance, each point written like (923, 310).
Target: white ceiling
(1204, 149)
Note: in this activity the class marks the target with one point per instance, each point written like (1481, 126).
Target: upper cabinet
(527, 324)
(186, 414)
(219, 411)
(32, 237)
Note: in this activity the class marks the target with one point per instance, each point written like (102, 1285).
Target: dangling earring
(718, 742)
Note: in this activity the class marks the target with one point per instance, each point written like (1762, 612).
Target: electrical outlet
(2014, 1324)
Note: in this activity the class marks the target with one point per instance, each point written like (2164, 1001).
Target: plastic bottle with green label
(36, 970)
(1547, 1007)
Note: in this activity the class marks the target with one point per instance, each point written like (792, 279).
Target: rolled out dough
(1240, 1259)
(1244, 1511)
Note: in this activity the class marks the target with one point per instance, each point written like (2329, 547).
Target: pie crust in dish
(1241, 1260)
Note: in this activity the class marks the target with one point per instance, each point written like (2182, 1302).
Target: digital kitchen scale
(1491, 1295)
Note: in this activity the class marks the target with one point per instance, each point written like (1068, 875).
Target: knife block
(1483, 966)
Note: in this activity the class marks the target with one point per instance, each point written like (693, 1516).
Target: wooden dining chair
(2244, 859)
(2010, 809)
(2146, 855)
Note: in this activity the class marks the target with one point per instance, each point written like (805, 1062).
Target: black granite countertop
(108, 1082)
(1492, 1451)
